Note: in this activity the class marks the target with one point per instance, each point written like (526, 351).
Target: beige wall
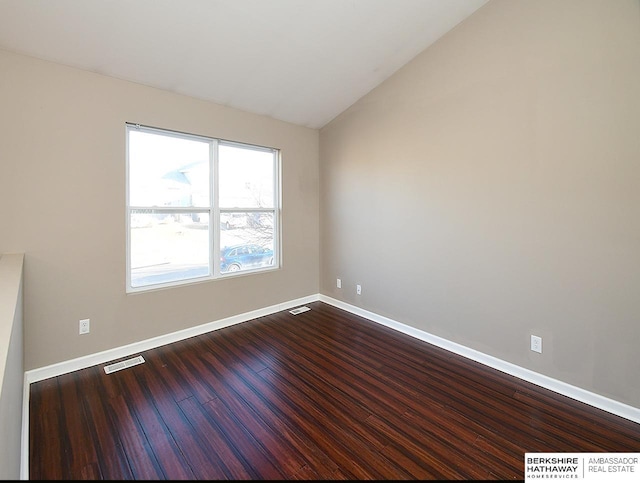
(62, 203)
(491, 190)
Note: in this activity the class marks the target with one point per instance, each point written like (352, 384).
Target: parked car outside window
(244, 257)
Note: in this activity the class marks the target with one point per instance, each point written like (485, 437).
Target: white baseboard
(65, 367)
(574, 392)
(582, 395)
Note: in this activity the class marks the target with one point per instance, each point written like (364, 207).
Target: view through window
(198, 208)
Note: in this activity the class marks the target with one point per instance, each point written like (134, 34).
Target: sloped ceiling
(300, 61)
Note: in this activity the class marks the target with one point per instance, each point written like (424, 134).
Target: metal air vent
(299, 310)
(118, 366)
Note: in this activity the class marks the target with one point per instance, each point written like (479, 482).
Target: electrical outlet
(338, 283)
(536, 344)
(359, 289)
(84, 326)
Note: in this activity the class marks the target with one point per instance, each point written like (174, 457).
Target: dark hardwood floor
(321, 395)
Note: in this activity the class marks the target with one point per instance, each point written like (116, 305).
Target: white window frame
(214, 210)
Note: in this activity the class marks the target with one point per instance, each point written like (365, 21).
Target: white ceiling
(301, 61)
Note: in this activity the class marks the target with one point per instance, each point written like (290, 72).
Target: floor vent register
(118, 366)
(299, 310)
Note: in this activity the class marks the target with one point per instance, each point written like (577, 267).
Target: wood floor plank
(305, 451)
(45, 443)
(243, 441)
(341, 413)
(320, 395)
(112, 461)
(272, 436)
(215, 442)
(202, 461)
(467, 393)
(337, 441)
(389, 393)
(143, 404)
(599, 429)
(81, 457)
(176, 382)
(143, 462)
(193, 376)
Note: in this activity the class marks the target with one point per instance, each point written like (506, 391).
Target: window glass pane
(248, 246)
(168, 247)
(246, 177)
(167, 171)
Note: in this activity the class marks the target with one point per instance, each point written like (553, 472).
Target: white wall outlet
(338, 283)
(85, 328)
(536, 344)
(359, 289)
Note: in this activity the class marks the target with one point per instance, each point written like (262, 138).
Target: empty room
(320, 239)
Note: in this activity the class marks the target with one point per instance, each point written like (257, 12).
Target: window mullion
(215, 208)
(276, 205)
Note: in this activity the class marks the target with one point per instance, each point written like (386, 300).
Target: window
(198, 208)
